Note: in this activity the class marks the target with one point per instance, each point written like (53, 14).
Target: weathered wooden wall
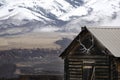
(103, 68)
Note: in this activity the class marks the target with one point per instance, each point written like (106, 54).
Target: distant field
(34, 40)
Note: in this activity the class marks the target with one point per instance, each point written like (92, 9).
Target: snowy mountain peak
(60, 14)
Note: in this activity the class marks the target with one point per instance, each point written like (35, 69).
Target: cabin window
(88, 70)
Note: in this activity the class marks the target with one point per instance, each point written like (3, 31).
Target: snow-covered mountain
(21, 16)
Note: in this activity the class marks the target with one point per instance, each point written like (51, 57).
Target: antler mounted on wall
(85, 49)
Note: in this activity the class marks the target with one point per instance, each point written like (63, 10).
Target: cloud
(113, 21)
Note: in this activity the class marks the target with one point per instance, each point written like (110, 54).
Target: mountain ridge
(60, 15)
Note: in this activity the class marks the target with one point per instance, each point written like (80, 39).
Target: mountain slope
(34, 15)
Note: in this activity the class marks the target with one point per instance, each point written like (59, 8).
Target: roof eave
(65, 53)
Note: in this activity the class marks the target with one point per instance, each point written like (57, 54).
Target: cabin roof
(109, 37)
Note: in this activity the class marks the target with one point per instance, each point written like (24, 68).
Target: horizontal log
(75, 78)
(89, 58)
(102, 61)
(102, 67)
(102, 71)
(80, 63)
(102, 64)
(101, 57)
(75, 69)
(74, 73)
(74, 62)
(81, 60)
(75, 66)
(102, 77)
(102, 74)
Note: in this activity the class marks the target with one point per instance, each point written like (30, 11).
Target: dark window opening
(88, 70)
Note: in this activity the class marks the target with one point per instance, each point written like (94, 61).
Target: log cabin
(94, 54)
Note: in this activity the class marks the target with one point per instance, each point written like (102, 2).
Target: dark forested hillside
(30, 62)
